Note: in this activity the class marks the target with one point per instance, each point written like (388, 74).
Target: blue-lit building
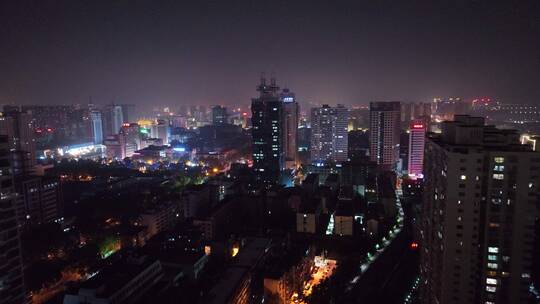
(97, 127)
(267, 133)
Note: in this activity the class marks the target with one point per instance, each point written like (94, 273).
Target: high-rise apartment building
(11, 274)
(219, 115)
(267, 132)
(290, 128)
(477, 227)
(329, 138)
(19, 128)
(384, 133)
(417, 139)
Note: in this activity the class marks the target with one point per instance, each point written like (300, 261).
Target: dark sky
(210, 52)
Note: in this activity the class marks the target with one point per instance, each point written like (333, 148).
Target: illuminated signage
(288, 99)
(418, 126)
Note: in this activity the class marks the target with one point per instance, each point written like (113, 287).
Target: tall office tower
(267, 133)
(329, 137)
(127, 112)
(290, 128)
(21, 138)
(11, 274)
(417, 139)
(478, 217)
(117, 119)
(340, 130)
(219, 115)
(97, 127)
(384, 133)
(113, 119)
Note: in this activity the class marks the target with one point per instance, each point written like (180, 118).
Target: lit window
(463, 177)
(498, 160)
(492, 265)
(498, 168)
(491, 288)
(498, 176)
(493, 249)
(492, 257)
(491, 281)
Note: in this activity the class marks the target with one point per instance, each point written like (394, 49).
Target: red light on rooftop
(418, 126)
(49, 129)
(245, 113)
(414, 245)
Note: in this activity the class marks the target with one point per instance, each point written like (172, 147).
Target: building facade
(219, 115)
(97, 127)
(18, 127)
(417, 139)
(329, 138)
(290, 128)
(267, 133)
(477, 227)
(11, 273)
(384, 133)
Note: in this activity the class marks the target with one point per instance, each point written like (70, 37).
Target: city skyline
(210, 53)
(275, 152)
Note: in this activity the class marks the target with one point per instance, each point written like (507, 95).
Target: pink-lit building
(417, 138)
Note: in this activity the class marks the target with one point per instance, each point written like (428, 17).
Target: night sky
(212, 52)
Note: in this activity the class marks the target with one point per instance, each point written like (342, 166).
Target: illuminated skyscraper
(290, 128)
(417, 138)
(478, 215)
(384, 133)
(329, 140)
(267, 132)
(97, 127)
